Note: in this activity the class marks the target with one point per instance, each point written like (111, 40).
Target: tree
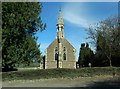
(106, 37)
(81, 55)
(100, 57)
(85, 55)
(21, 20)
(29, 52)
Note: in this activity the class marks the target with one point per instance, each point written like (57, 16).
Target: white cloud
(75, 19)
(76, 14)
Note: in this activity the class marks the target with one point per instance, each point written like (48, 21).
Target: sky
(77, 17)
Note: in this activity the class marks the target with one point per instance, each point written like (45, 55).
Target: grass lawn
(32, 74)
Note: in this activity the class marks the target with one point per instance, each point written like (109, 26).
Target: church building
(60, 53)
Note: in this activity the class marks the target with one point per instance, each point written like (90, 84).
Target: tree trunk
(110, 58)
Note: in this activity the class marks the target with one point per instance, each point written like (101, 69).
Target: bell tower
(60, 26)
(59, 37)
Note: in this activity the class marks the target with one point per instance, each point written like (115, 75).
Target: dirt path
(59, 82)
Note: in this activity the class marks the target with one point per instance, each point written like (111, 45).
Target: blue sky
(77, 16)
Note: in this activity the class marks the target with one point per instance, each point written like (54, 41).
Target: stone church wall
(70, 61)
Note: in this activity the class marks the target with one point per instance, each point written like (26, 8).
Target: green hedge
(57, 73)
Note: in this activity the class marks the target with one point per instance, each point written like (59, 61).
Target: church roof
(69, 43)
(64, 41)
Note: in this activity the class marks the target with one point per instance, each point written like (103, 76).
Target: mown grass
(32, 74)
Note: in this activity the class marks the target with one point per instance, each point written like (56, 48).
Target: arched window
(64, 56)
(64, 49)
(56, 49)
(64, 53)
(56, 53)
(57, 28)
(56, 56)
(61, 27)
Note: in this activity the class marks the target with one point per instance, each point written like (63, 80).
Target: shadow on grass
(108, 84)
(8, 70)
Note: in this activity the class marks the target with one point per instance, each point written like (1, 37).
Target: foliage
(106, 37)
(29, 52)
(21, 20)
(85, 55)
(33, 74)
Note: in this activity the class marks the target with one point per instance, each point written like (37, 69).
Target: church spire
(60, 26)
(60, 20)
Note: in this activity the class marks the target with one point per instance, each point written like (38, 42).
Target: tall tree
(21, 20)
(106, 37)
(85, 55)
(81, 55)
